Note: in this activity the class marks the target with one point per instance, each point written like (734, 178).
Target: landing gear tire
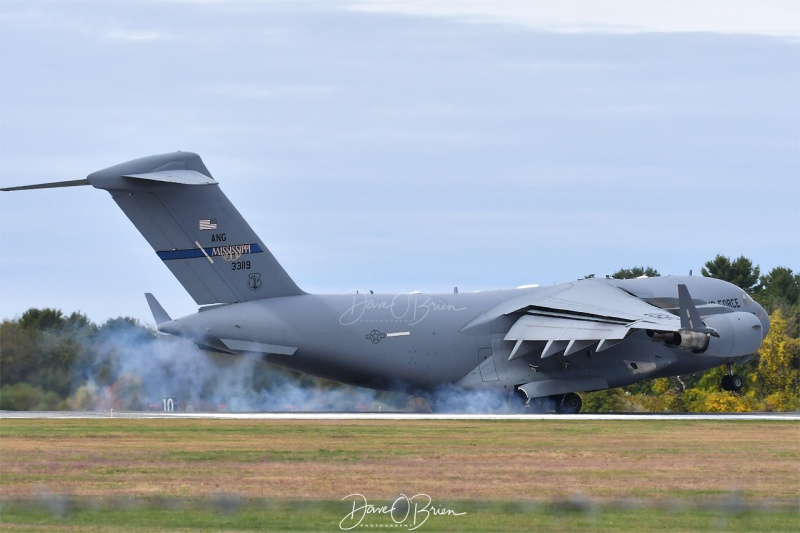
(540, 404)
(732, 383)
(570, 404)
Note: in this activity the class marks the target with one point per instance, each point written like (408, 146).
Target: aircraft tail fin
(176, 204)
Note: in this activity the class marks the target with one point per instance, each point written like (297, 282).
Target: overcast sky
(403, 145)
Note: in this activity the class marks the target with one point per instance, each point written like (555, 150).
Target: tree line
(53, 361)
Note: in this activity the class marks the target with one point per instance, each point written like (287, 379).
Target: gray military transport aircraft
(540, 345)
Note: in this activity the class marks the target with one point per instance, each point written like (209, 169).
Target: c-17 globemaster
(541, 345)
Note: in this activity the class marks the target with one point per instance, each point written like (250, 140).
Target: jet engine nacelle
(688, 340)
(739, 334)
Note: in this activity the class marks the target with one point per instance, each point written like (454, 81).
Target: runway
(134, 415)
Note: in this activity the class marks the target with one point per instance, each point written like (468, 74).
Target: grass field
(504, 475)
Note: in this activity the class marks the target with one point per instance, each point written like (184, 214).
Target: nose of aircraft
(764, 318)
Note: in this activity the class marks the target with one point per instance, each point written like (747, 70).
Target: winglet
(159, 314)
(690, 318)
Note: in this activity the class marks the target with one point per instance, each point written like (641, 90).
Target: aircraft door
(486, 366)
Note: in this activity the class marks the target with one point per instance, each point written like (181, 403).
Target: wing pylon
(690, 318)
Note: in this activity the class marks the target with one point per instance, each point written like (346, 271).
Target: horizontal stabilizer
(181, 177)
(159, 314)
(52, 185)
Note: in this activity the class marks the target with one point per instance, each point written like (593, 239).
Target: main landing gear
(567, 404)
(731, 381)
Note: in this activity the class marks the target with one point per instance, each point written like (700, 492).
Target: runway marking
(782, 417)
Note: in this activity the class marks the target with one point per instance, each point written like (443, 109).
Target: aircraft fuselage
(543, 342)
(418, 341)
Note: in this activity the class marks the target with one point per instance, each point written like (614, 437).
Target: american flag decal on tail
(208, 224)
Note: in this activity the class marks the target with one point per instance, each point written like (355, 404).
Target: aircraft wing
(576, 317)
(562, 334)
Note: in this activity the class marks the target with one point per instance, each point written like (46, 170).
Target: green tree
(740, 272)
(780, 288)
(779, 367)
(26, 397)
(665, 395)
(705, 401)
(53, 320)
(18, 352)
(50, 320)
(635, 272)
(605, 401)
(40, 349)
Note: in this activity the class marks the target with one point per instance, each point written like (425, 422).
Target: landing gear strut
(732, 382)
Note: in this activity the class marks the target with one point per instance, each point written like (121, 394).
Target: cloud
(774, 18)
(405, 150)
(133, 35)
(263, 91)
